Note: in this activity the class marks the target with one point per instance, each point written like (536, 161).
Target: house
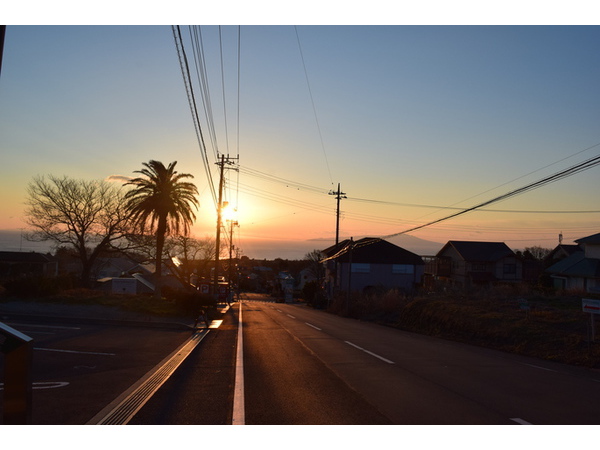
(305, 276)
(372, 263)
(27, 264)
(561, 251)
(468, 263)
(581, 269)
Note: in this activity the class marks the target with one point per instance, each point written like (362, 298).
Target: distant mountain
(14, 241)
(416, 245)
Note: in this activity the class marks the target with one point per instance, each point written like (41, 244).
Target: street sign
(590, 306)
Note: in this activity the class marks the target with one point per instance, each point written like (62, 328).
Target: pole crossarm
(338, 195)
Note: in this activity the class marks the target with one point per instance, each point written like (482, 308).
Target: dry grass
(554, 328)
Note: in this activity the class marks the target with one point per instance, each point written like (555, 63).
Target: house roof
(562, 251)
(479, 251)
(576, 265)
(593, 239)
(25, 257)
(373, 251)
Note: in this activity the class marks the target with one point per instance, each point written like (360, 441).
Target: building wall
(379, 275)
(592, 251)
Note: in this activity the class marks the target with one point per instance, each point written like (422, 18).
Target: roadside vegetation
(172, 304)
(548, 325)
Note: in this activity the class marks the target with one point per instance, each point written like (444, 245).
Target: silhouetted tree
(161, 203)
(87, 216)
(538, 252)
(314, 265)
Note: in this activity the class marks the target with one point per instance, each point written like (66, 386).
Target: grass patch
(554, 328)
(170, 306)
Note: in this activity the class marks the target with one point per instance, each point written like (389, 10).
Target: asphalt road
(414, 379)
(301, 366)
(79, 368)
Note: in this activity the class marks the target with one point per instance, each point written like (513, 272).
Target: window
(361, 268)
(510, 269)
(478, 267)
(403, 268)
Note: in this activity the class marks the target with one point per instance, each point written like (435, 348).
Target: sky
(408, 119)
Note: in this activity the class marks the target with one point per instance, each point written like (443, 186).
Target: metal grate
(128, 408)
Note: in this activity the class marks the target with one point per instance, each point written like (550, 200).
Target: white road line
(278, 310)
(311, 325)
(239, 414)
(289, 315)
(370, 353)
(520, 421)
(44, 385)
(36, 332)
(30, 325)
(73, 351)
(539, 367)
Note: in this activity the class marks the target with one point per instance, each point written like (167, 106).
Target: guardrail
(18, 359)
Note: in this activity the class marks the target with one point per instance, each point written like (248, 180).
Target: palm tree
(161, 203)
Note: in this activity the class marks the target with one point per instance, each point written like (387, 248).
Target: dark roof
(593, 239)
(576, 265)
(373, 251)
(479, 251)
(566, 249)
(25, 257)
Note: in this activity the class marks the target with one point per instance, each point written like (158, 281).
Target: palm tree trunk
(161, 231)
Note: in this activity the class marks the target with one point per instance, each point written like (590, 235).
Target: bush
(313, 295)
(37, 286)
(189, 302)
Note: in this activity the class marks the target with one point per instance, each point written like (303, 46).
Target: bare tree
(194, 255)
(88, 216)
(538, 252)
(315, 266)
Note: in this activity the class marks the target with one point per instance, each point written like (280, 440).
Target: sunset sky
(408, 119)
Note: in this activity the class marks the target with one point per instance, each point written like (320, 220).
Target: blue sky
(425, 115)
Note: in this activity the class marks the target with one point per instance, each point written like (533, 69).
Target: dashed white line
(311, 325)
(520, 421)
(73, 351)
(370, 353)
(289, 315)
(539, 367)
(44, 385)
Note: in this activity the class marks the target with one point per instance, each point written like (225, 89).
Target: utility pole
(2, 34)
(339, 195)
(231, 246)
(224, 160)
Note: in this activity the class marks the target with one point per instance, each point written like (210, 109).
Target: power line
(185, 70)
(516, 211)
(313, 103)
(585, 165)
(520, 177)
(588, 164)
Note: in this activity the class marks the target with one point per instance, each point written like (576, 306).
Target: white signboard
(591, 306)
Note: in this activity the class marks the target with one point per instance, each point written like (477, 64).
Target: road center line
(289, 315)
(370, 353)
(310, 325)
(539, 367)
(73, 351)
(520, 421)
(239, 415)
